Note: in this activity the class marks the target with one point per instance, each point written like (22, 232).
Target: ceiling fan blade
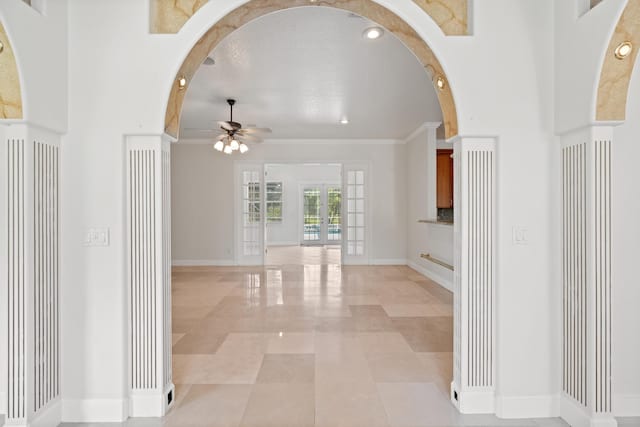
(226, 125)
(256, 130)
(250, 138)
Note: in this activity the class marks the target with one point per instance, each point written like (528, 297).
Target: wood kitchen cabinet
(444, 179)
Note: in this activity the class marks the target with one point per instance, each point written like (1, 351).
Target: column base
(473, 400)
(151, 403)
(51, 415)
(577, 415)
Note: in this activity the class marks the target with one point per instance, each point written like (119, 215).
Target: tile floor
(313, 345)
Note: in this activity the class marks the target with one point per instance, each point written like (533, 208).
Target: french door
(250, 229)
(321, 214)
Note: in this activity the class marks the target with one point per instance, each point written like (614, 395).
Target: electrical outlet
(96, 237)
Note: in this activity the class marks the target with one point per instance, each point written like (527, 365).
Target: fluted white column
(473, 387)
(586, 277)
(149, 274)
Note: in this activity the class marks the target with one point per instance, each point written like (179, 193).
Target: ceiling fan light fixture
(219, 146)
(234, 145)
(344, 121)
(243, 148)
(227, 149)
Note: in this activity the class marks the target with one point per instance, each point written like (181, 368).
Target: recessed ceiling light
(182, 82)
(440, 83)
(209, 61)
(373, 33)
(623, 50)
(344, 121)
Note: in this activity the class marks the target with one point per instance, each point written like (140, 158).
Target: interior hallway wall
(288, 232)
(434, 239)
(625, 255)
(203, 193)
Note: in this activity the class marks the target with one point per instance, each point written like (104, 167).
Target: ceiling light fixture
(373, 33)
(234, 145)
(219, 146)
(344, 121)
(441, 83)
(182, 82)
(243, 148)
(227, 149)
(623, 50)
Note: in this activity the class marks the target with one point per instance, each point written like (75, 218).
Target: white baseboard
(540, 406)
(95, 410)
(389, 261)
(626, 405)
(438, 278)
(291, 243)
(203, 262)
(49, 416)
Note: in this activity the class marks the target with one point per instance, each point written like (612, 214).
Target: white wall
(292, 176)
(202, 209)
(434, 239)
(39, 42)
(503, 83)
(3, 273)
(625, 228)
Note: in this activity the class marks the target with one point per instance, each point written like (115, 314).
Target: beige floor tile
(416, 310)
(346, 368)
(199, 343)
(231, 369)
(335, 346)
(175, 338)
(280, 405)
(211, 406)
(292, 342)
(355, 404)
(383, 342)
(287, 368)
(189, 368)
(245, 343)
(396, 367)
(416, 405)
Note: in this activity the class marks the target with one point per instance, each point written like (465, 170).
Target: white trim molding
(388, 261)
(626, 405)
(436, 277)
(95, 410)
(203, 263)
(539, 406)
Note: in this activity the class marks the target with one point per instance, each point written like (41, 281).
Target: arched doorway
(149, 212)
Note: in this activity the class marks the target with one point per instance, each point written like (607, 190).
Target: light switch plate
(96, 237)
(520, 236)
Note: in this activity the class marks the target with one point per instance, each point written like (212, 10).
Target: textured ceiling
(300, 71)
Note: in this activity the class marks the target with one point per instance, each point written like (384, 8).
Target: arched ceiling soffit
(615, 76)
(10, 93)
(169, 16)
(257, 8)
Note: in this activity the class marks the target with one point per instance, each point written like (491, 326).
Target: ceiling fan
(235, 136)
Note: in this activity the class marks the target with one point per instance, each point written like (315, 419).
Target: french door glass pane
(355, 212)
(312, 215)
(251, 213)
(334, 214)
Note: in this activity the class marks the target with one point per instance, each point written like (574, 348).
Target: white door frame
(323, 185)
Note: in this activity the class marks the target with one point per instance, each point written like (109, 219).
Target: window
(274, 201)
(252, 199)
